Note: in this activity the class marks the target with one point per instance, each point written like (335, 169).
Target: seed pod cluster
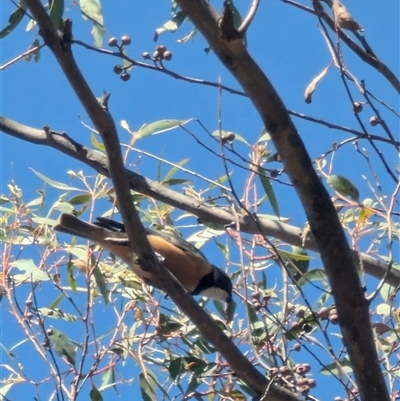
(295, 377)
(122, 72)
(161, 53)
(125, 41)
(259, 301)
(120, 69)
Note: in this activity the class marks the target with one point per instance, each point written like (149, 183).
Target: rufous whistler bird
(187, 263)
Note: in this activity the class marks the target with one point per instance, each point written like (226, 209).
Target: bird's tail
(69, 224)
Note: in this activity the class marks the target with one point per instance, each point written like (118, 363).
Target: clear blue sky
(285, 42)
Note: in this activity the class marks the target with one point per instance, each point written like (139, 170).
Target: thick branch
(60, 44)
(98, 161)
(325, 225)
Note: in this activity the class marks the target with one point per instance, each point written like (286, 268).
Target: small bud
(126, 40)
(113, 42)
(300, 313)
(374, 121)
(256, 305)
(274, 173)
(227, 137)
(161, 49)
(302, 382)
(28, 304)
(125, 76)
(118, 69)
(49, 332)
(297, 347)
(29, 316)
(323, 313)
(295, 326)
(156, 55)
(303, 390)
(334, 319)
(312, 383)
(167, 55)
(357, 107)
(265, 299)
(146, 55)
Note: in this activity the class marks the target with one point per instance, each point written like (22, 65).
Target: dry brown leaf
(313, 84)
(343, 19)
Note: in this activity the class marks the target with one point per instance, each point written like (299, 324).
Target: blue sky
(285, 42)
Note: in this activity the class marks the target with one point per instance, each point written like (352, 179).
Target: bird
(186, 262)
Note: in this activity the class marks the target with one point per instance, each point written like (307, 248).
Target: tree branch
(353, 309)
(98, 161)
(368, 55)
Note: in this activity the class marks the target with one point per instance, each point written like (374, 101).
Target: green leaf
(384, 310)
(14, 19)
(91, 10)
(175, 169)
(204, 346)
(70, 274)
(345, 367)
(313, 275)
(344, 186)
(148, 384)
(5, 389)
(56, 302)
(266, 183)
(35, 54)
(30, 271)
(158, 127)
(96, 143)
(108, 377)
(167, 326)
(199, 238)
(188, 36)
(175, 181)
(95, 394)
(55, 184)
(176, 367)
(56, 12)
(80, 199)
(57, 314)
(172, 25)
(252, 315)
(247, 389)
(36, 202)
(125, 126)
(62, 346)
(101, 284)
(299, 258)
(195, 382)
(265, 136)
